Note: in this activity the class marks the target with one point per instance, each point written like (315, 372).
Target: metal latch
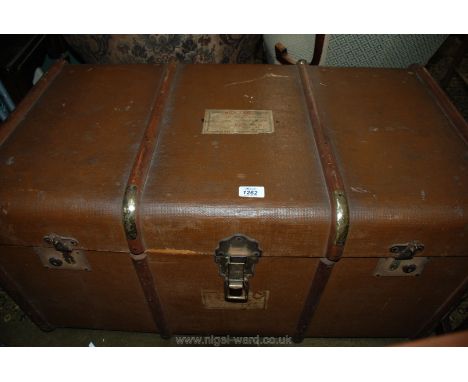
(62, 254)
(236, 257)
(406, 251)
(403, 262)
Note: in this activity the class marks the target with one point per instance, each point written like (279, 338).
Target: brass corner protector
(342, 217)
(129, 212)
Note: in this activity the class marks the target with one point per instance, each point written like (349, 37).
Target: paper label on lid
(221, 121)
(252, 191)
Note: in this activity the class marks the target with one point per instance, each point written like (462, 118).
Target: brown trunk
(118, 183)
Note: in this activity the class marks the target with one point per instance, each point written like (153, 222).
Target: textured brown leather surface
(285, 280)
(404, 166)
(109, 296)
(356, 303)
(191, 198)
(67, 164)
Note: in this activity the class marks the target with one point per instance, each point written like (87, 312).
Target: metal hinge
(236, 257)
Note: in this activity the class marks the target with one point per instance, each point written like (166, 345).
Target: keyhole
(55, 262)
(409, 268)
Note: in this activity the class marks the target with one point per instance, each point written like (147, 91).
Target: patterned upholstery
(126, 49)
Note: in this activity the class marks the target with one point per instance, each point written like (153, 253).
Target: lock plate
(405, 268)
(236, 257)
(62, 254)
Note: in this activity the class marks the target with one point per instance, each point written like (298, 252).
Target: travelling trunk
(235, 199)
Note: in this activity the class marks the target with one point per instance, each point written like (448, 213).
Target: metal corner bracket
(129, 212)
(342, 217)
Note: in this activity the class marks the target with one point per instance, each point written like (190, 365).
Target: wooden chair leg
(453, 68)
